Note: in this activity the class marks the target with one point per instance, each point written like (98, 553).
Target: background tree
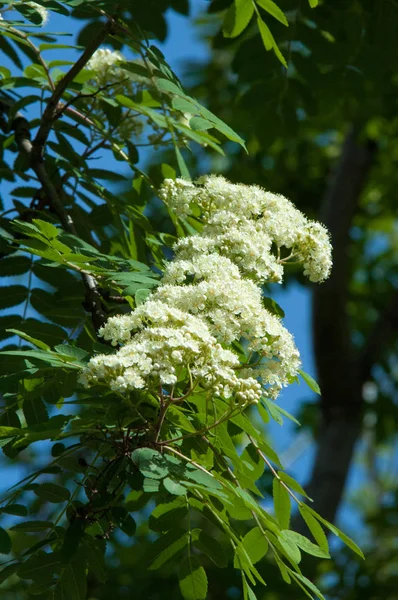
(294, 126)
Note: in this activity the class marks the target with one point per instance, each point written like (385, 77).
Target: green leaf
(274, 10)
(290, 548)
(314, 528)
(40, 566)
(15, 265)
(308, 584)
(173, 487)
(237, 18)
(14, 509)
(212, 548)
(184, 171)
(150, 463)
(28, 338)
(168, 546)
(273, 306)
(310, 381)
(165, 516)
(47, 229)
(95, 556)
(12, 295)
(266, 35)
(72, 583)
(200, 124)
(52, 492)
(192, 580)
(292, 483)
(8, 572)
(313, 3)
(5, 542)
(150, 486)
(255, 544)
(34, 411)
(141, 295)
(337, 532)
(281, 503)
(305, 544)
(32, 526)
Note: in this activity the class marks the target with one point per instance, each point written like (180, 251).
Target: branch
(384, 328)
(20, 126)
(50, 112)
(338, 368)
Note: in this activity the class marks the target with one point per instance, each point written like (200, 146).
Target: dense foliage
(142, 346)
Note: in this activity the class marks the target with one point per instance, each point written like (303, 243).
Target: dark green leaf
(52, 492)
(12, 295)
(34, 411)
(212, 548)
(14, 509)
(5, 542)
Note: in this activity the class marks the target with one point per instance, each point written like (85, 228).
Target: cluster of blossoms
(211, 297)
(107, 73)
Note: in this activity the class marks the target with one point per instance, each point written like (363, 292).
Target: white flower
(244, 222)
(210, 297)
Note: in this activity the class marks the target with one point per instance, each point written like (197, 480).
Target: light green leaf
(255, 544)
(310, 381)
(274, 10)
(337, 532)
(314, 528)
(181, 163)
(313, 3)
(281, 503)
(237, 18)
(292, 483)
(305, 544)
(308, 584)
(200, 124)
(165, 516)
(291, 549)
(47, 229)
(193, 580)
(28, 338)
(266, 36)
(173, 487)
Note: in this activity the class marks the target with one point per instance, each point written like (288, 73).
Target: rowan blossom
(210, 297)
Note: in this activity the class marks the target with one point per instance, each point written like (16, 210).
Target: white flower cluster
(244, 223)
(211, 297)
(106, 72)
(161, 344)
(105, 64)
